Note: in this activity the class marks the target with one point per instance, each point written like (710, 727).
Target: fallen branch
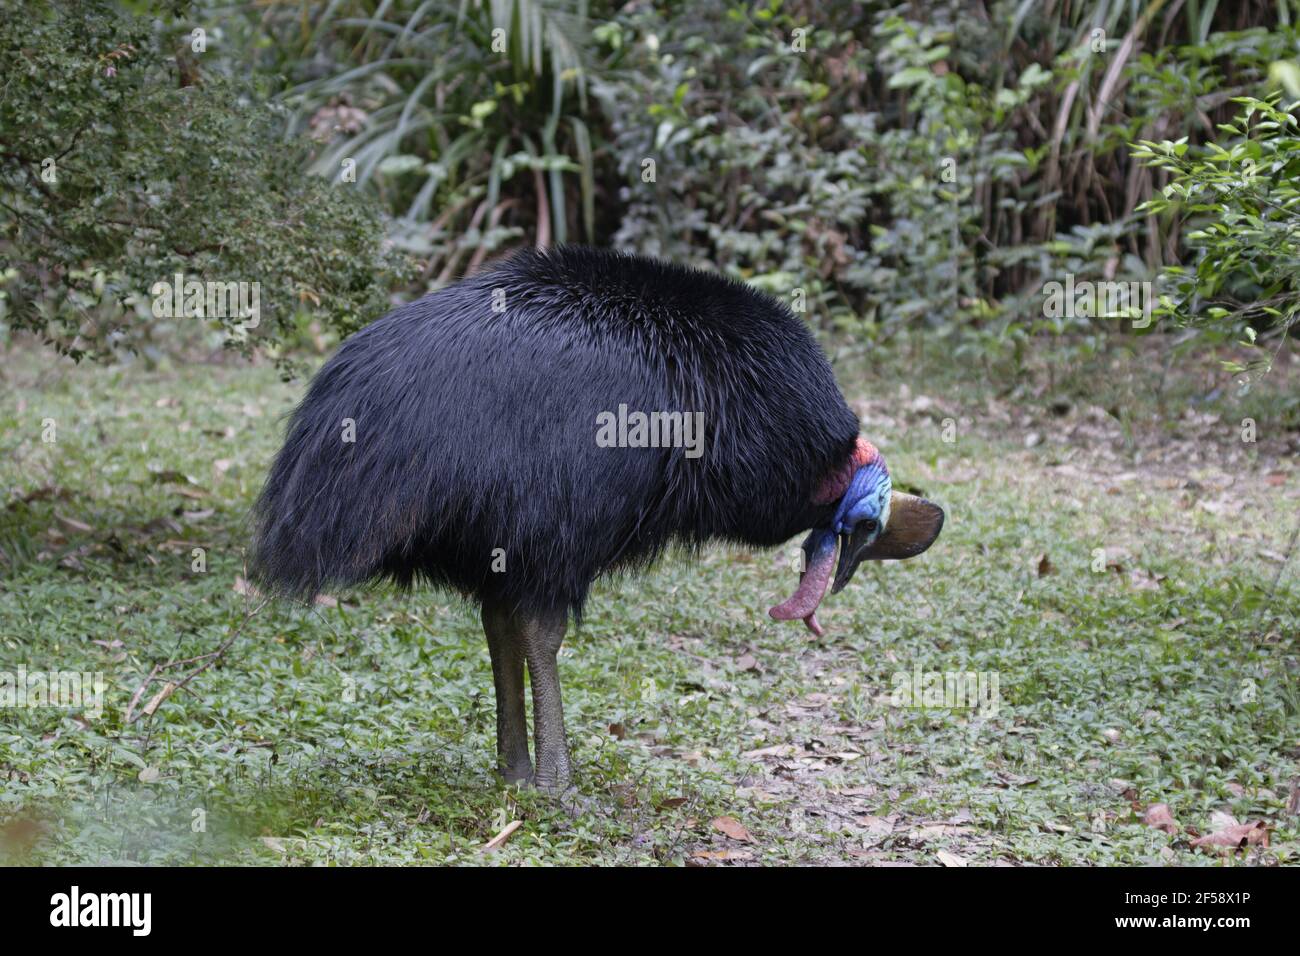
(203, 660)
(499, 840)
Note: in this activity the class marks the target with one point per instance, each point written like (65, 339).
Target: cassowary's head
(872, 522)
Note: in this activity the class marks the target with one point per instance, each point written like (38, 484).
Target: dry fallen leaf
(1124, 788)
(1220, 820)
(876, 826)
(159, 697)
(1159, 815)
(73, 524)
(1045, 566)
(1235, 837)
(732, 828)
(705, 856)
(936, 831)
(951, 859)
(776, 750)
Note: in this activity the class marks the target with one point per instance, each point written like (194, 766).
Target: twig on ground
(156, 673)
(499, 840)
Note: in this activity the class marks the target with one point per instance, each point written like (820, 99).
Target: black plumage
(455, 440)
(475, 463)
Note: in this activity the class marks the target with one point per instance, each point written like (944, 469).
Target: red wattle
(832, 487)
(813, 583)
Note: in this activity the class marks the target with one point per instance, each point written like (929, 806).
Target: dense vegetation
(883, 166)
(125, 163)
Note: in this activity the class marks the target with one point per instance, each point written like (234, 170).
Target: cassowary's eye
(870, 525)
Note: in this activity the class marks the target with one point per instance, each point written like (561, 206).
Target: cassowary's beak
(913, 525)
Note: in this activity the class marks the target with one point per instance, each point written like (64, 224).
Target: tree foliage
(1241, 203)
(884, 167)
(125, 163)
(887, 166)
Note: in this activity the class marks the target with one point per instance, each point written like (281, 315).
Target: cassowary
(565, 415)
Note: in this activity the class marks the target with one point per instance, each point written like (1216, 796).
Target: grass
(362, 732)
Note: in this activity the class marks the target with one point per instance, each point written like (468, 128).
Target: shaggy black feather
(476, 430)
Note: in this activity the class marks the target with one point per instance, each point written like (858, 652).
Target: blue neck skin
(864, 498)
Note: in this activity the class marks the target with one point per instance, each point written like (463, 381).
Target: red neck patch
(832, 486)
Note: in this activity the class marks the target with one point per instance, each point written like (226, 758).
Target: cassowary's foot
(516, 637)
(553, 784)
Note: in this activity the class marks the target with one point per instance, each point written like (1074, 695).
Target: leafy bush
(1242, 207)
(135, 165)
(468, 120)
(929, 165)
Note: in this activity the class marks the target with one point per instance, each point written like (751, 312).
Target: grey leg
(507, 652)
(541, 636)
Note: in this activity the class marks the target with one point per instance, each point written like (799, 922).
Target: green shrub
(133, 164)
(468, 119)
(1241, 206)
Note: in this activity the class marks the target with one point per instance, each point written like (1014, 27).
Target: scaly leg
(507, 652)
(541, 635)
